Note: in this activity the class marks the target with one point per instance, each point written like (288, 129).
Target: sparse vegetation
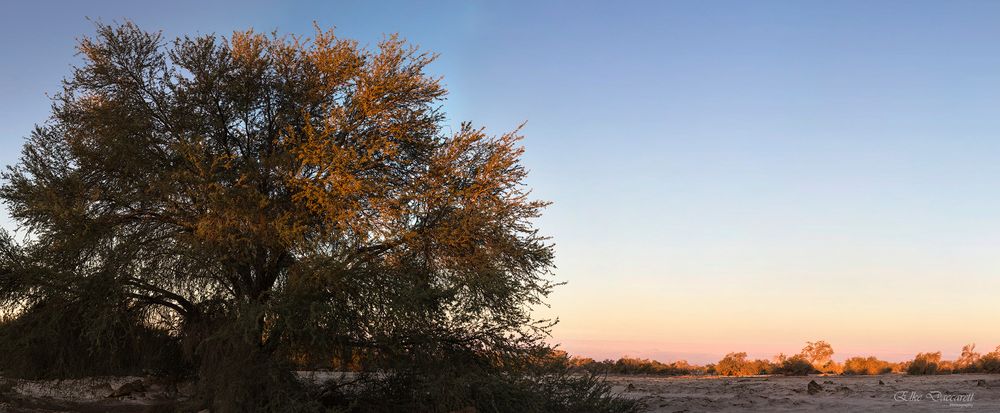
(738, 364)
(630, 365)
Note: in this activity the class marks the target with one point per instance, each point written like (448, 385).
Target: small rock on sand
(128, 388)
(814, 387)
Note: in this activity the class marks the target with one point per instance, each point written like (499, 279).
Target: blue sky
(725, 175)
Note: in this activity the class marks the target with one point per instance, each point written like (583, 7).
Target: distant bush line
(814, 359)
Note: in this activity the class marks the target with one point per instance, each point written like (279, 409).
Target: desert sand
(900, 393)
(92, 394)
(893, 392)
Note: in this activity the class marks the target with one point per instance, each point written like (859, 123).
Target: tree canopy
(301, 197)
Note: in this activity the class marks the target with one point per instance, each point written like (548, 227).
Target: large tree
(296, 196)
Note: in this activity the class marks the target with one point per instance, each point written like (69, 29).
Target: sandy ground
(899, 393)
(92, 394)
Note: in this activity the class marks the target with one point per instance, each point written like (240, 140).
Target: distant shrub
(643, 366)
(580, 362)
(924, 363)
(989, 362)
(794, 366)
(831, 367)
(947, 367)
(736, 364)
(817, 353)
(968, 362)
(804, 363)
(631, 365)
(866, 366)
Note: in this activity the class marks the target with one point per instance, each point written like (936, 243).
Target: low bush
(989, 362)
(736, 364)
(866, 366)
(794, 366)
(924, 363)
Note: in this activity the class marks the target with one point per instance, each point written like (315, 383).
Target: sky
(725, 175)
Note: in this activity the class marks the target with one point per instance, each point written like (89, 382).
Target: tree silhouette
(969, 357)
(817, 353)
